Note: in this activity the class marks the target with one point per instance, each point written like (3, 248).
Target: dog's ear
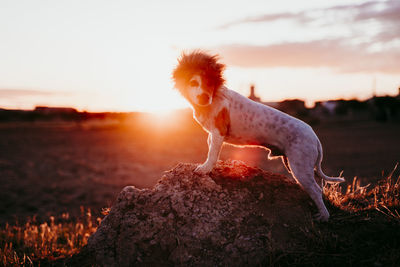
(214, 74)
(180, 74)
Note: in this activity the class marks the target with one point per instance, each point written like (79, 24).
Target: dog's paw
(202, 169)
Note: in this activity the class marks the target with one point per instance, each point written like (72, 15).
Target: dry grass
(364, 229)
(384, 196)
(58, 238)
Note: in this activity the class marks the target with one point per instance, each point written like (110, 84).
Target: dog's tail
(320, 173)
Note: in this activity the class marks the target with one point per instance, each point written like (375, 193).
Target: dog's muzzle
(203, 99)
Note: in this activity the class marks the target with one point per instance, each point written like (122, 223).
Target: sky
(118, 55)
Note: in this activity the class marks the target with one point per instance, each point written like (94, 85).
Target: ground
(55, 168)
(48, 169)
(236, 216)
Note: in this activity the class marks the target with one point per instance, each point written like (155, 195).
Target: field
(54, 168)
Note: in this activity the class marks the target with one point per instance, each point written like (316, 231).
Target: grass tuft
(55, 239)
(384, 196)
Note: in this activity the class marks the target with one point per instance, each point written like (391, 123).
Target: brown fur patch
(202, 111)
(222, 122)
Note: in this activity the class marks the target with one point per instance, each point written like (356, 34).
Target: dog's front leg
(214, 141)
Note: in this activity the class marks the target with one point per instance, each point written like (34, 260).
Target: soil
(236, 216)
(233, 217)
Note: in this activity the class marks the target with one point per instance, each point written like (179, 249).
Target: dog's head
(198, 76)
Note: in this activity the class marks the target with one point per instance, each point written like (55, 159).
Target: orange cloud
(377, 49)
(10, 93)
(323, 53)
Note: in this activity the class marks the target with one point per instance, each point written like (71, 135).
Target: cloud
(383, 11)
(322, 53)
(386, 13)
(300, 17)
(368, 42)
(12, 93)
(354, 7)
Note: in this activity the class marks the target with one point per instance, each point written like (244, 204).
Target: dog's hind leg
(304, 174)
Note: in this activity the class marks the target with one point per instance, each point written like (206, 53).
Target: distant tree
(386, 108)
(295, 107)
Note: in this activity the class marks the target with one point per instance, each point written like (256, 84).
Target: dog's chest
(202, 116)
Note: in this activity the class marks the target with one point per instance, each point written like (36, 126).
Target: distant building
(255, 98)
(294, 107)
(55, 110)
(252, 95)
(330, 106)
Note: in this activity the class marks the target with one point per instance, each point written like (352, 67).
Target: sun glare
(160, 118)
(159, 102)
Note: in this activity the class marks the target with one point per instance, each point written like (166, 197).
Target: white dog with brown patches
(232, 118)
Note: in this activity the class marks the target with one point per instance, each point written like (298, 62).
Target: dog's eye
(194, 83)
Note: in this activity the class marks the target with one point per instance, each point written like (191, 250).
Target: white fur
(255, 124)
(196, 91)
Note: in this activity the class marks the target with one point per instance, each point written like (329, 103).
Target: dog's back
(253, 123)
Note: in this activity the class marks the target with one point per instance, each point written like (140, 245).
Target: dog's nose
(203, 99)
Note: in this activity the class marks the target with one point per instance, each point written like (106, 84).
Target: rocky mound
(236, 216)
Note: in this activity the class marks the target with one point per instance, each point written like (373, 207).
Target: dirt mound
(236, 216)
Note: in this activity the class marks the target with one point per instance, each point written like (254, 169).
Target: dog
(231, 118)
